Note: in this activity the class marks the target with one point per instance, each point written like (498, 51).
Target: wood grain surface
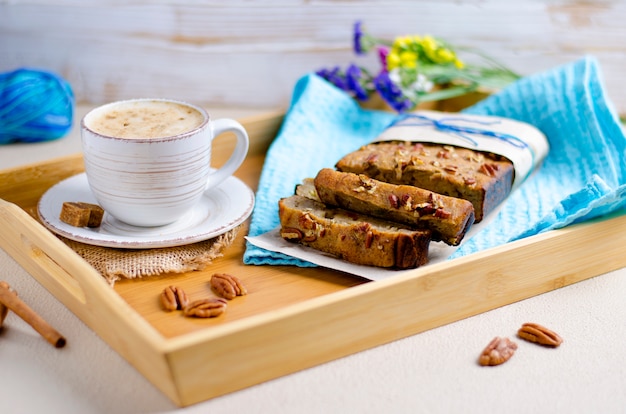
(250, 53)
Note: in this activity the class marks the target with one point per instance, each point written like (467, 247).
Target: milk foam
(144, 119)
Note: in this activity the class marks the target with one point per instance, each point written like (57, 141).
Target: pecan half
(173, 298)
(311, 237)
(469, 180)
(538, 334)
(416, 160)
(393, 201)
(227, 286)
(425, 208)
(497, 352)
(369, 238)
(291, 234)
(489, 169)
(418, 146)
(407, 201)
(306, 222)
(371, 158)
(451, 168)
(206, 308)
(363, 227)
(367, 182)
(442, 213)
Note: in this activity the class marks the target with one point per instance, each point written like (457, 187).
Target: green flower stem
(447, 93)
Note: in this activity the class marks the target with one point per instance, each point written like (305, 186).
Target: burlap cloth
(116, 264)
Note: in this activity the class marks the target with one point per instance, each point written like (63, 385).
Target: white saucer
(221, 209)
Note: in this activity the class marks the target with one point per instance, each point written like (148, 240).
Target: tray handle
(48, 259)
(57, 273)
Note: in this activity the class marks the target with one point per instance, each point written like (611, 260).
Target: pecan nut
(442, 213)
(497, 352)
(541, 335)
(291, 234)
(206, 308)
(469, 180)
(369, 239)
(394, 201)
(489, 169)
(174, 298)
(227, 286)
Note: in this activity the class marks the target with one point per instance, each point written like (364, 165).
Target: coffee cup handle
(221, 126)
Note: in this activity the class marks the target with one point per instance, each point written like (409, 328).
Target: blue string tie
(447, 125)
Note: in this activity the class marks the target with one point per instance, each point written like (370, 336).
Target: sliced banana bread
(350, 236)
(448, 218)
(484, 179)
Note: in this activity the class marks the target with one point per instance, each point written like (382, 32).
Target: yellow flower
(402, 42)
(429, 44)
(445, 55)
(408, 51)
(393, 60)
(436, 52)
(408, 59)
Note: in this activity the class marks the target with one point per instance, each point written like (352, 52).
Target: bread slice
(448, 218)
(483, 179)
(350, 236)
(307, 189)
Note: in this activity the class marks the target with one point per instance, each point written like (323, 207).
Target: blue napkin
(584, 175)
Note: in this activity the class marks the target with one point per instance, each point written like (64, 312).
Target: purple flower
(334, 76)
(355, 79)
(358, 36)
(382, 56)
(391, 93)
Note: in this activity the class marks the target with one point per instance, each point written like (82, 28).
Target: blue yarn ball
(35, 106)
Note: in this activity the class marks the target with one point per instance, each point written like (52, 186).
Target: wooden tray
(293, 318)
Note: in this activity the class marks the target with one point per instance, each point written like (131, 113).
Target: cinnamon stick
(3, 313)
(8, 298)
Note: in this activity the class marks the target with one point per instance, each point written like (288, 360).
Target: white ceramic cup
(148, 160)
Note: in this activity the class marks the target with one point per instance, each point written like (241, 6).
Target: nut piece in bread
(350, 236)
(483, 179)
(448, 218)
(307, 189)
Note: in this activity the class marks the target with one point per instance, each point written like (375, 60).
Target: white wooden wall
(249, 53)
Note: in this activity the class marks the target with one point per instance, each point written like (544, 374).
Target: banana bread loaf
(448, 218)
(351, 236)
(484, 179)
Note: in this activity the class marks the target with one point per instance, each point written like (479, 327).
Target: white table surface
(432, 372)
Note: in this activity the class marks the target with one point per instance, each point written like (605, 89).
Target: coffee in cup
(148, 160)
(146, 119)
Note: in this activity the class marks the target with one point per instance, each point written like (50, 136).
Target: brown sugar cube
(74, 214)
(79, 214)
(95, 214)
